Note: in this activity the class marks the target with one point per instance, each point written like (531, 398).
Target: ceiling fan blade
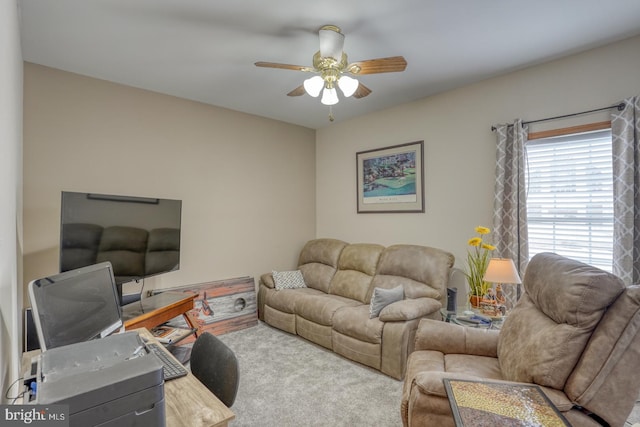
(361, 92)
(297, 91)
(331, 42)
(380, 65)
(283, 66)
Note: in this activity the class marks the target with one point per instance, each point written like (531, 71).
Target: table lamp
(503, 271)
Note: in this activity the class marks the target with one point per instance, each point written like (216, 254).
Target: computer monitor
(74, 306)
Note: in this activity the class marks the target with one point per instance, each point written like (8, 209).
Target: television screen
(75, 306)
(139, 236)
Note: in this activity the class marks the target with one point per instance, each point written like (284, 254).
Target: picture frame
(391, 179)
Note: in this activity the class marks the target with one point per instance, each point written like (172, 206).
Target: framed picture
(391, 179)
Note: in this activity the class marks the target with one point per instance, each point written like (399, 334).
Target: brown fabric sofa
(575, 332)
(333, 309)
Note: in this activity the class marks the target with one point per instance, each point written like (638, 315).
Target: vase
(474, 300)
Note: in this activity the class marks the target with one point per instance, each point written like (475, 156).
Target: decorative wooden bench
(221, 306)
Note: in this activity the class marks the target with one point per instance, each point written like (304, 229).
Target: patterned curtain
(625, 129)
(510, 201)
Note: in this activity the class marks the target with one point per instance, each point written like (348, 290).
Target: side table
(467, 320)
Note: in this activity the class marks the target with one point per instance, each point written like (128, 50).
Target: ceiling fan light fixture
(330, 66)
(331, 42)
(329, 96)
(348, 85)
(313, 85)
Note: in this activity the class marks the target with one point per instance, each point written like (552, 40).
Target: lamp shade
(348, 85)
(313, 85)
(329, 96)
(501, 270)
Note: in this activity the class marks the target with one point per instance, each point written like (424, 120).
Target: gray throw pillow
(383, 297)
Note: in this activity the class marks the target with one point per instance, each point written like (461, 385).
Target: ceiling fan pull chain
(330, 113)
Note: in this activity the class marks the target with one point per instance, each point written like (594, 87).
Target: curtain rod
(619, 106)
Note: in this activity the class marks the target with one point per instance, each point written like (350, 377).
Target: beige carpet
(288, 381)
(634, 418)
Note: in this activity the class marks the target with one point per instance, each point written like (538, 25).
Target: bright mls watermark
(34, 415)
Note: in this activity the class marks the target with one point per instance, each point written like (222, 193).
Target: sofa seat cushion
(424, 385)
(428, 369)
(472, 365)
(355, 322)
(424, 398)
(320, 308)
(285, 300)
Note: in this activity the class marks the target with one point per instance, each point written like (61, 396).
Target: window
(570, 197)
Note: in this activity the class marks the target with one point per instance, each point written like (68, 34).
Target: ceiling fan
(333, 69)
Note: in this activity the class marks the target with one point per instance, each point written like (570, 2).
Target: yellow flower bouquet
(477, 261)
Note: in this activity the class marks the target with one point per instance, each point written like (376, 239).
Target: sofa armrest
(409, 309)
(267, 280)
(455, 339)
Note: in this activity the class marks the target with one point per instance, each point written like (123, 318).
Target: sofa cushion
(321, 308)
(324, 251)
(356, 323)
(548, 329)
(288, 279)
(285, 300)
(318, 262)
(383, 297)
(356, 267)
(423, 271)
(409, 309)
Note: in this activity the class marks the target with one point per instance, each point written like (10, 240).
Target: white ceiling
(204, 50)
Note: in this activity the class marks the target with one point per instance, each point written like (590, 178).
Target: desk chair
(216, 366)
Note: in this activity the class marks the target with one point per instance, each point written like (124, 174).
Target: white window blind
(570, 197)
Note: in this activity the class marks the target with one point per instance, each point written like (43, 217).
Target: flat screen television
(75, 306)
(139, 236)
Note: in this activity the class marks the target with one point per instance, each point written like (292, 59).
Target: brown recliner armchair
(575, 332)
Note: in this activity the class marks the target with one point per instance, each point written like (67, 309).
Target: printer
(111, 381)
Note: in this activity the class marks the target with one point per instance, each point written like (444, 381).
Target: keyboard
(170, 367)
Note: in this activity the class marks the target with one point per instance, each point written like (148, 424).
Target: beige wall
(83, 134)
(247, 184)
(459, 145)
(10, 198)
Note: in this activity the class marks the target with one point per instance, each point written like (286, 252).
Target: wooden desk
(158, 309)
(188, 403)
